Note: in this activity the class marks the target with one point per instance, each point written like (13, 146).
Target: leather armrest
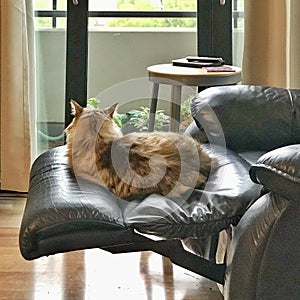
(279, 171)
(196, 132)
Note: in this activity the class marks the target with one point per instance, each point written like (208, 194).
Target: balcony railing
(54, 14)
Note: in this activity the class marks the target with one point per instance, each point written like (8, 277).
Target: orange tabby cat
(134, 164)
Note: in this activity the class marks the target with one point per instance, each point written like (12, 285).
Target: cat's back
(147, 143)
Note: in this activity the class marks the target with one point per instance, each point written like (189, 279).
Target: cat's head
(89, 124)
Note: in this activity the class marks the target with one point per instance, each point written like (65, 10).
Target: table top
(166, 73)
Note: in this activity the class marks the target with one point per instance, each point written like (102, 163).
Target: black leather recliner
(263, 249)
(237, 124)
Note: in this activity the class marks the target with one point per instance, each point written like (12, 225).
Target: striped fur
(135, 164)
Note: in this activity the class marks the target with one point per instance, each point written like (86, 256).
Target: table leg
(153, 106)
(175, 108)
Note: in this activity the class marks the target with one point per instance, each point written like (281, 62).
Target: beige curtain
(17, 93)
(293, 44)
(271, 45)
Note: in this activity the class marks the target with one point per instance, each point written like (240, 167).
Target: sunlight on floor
(91, 274)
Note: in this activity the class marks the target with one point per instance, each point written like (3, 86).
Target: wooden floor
(90, 274)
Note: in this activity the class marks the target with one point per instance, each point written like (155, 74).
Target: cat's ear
(76, 109)
(111, 110)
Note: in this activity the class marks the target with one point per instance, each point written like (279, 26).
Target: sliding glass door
(124, 38)
(131, 35)
(50, 53)
(101, 48)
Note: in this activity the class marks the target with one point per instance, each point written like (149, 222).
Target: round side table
(177, 77)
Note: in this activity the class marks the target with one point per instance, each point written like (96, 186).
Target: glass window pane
(61, 23)
(121, 49)
(100, 23)
(50, 74)
(43, 4)
(61, 4)
(240, 5)
(102, 5)
(238, 32)
(43, 22)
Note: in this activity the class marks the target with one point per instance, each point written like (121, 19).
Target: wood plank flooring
(90, 274)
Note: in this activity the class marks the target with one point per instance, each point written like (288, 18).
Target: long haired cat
(134, 164)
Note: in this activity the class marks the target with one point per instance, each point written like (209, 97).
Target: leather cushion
(62, 208)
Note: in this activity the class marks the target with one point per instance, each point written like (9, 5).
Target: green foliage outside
(139, 118)
(155, 22)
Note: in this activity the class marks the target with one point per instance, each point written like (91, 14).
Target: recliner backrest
(248, 117)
